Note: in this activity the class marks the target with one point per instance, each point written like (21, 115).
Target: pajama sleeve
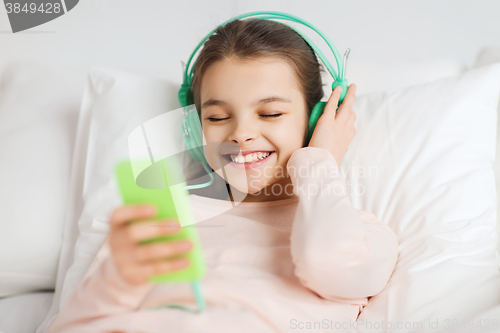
(102, 293)
(339, 252)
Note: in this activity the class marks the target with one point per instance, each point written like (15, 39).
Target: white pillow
(431, 149)
(39, 106)
(488, 56)
(434, 188)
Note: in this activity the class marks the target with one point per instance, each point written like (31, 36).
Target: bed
(68, 124)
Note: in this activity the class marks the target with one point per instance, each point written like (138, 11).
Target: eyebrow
(269, 99)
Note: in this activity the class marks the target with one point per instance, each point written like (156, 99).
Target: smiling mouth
(247, 159)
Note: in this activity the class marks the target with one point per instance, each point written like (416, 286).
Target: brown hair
(254, 38)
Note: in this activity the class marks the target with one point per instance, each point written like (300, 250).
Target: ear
(305, 141)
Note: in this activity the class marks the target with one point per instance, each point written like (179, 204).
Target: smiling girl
(297, 256)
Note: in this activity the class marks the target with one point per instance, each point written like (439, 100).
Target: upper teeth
(250, 157)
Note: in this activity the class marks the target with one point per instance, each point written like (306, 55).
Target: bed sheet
(488, 321)
(25, 312)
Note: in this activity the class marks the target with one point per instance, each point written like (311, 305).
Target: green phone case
(154, 189)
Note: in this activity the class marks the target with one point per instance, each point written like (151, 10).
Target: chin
(254, 190)
(246, 187)
(241, 180)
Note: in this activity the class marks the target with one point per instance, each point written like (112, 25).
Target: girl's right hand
(335, 129)
(136, 263)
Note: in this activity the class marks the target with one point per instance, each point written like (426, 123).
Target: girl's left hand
(335, 130)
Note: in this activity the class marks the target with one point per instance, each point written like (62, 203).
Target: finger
(346, 104)
(351, 135)
(345, 108)
(155, 251)
(127, 213)
(331, 105)
(118, 241)
(352, 119)
(349, 128)
(148, 229)
(163, 266)
(138, 274)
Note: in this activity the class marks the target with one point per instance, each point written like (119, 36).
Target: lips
(245, 152)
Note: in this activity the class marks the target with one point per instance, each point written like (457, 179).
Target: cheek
(288, 136)
(212, 137)
(210, 134)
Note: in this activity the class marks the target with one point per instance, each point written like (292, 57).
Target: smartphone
(151, 186)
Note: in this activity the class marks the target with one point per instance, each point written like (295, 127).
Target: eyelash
(276, 115)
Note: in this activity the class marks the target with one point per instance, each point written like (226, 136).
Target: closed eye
(214, 120)
(271, 115)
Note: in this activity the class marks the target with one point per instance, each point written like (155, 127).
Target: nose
(243, 133)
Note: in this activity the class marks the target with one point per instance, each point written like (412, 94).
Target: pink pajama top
(308, 263)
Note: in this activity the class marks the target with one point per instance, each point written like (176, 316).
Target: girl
(294, 253)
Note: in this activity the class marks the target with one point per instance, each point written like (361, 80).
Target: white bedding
(487, 321)
(24, 313)
(445, 220)
(111, 33)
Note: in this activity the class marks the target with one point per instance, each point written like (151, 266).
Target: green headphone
(191, 125)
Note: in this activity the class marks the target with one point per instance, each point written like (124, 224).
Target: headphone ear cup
(316, 112)
(342, 83)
